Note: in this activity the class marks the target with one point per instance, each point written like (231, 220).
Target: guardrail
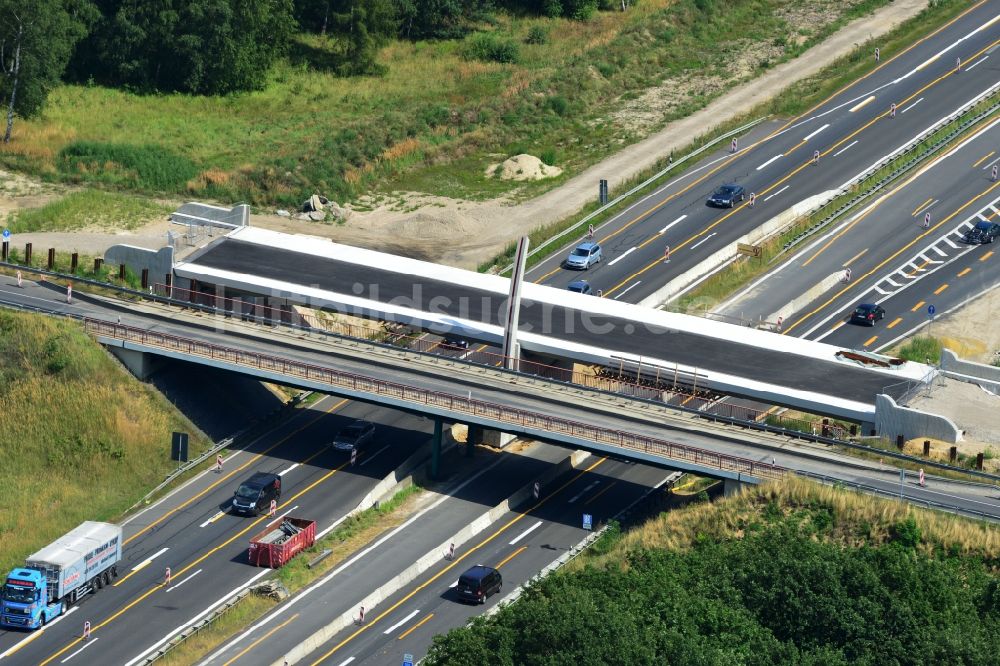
(454, 404)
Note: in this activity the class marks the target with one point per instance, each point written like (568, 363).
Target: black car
(727, 196)
(867, 314)
(983, 232)
(478, 583)
(454, 342)
(254, 495)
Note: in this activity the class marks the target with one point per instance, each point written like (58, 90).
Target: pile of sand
(523, 167)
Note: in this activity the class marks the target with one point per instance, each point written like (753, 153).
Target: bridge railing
(463, 405)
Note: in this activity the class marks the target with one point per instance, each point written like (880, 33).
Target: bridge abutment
(731, 487)
(140, 364)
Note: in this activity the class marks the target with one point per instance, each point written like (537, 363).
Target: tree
(37, 38)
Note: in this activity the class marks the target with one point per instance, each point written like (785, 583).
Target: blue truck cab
(25, 600)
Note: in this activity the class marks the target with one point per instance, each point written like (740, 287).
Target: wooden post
(98, 265)
(927, 447)
(953, 454)
(27, 254)
(52, 258)
(979, 461)
(74, 262)
(900, 442)
(121, 272)
(145, 279)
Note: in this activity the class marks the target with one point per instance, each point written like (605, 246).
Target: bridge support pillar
(731, 487)
(496, 438)
(140, 364)
(474, 437)
(436, 448)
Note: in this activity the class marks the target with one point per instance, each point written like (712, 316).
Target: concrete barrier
(987, 376)
(892, 420)
(718, 259)
(432, 557)
(807, 297)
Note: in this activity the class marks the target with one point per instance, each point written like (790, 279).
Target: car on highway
(727, 196)
(982, 232)
(354, 436)
(580, 287)
(478, 583)
(867, 314)
(254, 495)
(584, 256)
(454, 342)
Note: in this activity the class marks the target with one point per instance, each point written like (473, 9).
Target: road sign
(588, 521)
(179, 446)
(407, 659)
(921, 477)
(6, 234)
(931, 310)
(748, 250)
(86, 630)
(274, 508)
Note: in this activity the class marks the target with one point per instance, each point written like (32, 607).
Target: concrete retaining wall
(807, 297)
(159, 262)
(892, 420)
(717, 260)
(432, 557)
(987, 376)
(140, 364)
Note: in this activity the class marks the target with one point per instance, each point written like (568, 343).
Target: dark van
(254, 495)
(478, 583)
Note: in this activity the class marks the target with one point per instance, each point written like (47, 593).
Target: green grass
(82, 439)
(312, 131)
(87, 208)
(921, 349)
(233, 621)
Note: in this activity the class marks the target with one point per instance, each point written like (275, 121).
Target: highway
(851, 131)
(894, 260)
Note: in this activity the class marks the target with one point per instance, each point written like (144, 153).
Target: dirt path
(464, 234)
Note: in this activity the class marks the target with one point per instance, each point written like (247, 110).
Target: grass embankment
(795, 99)
(81, 438)
(790, 572)
(437, 119)
(88, 209)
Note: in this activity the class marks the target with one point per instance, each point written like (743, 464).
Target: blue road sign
(931, 310)
(407, 660)
(588, 521)
(6, 234)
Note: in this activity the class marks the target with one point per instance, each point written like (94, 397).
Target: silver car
(584, 256)
(354, 436)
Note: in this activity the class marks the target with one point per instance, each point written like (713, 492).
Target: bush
(488, 47)
(548, 156)
(138, 167)
(559, 104)
(922, 350)
(537, 35)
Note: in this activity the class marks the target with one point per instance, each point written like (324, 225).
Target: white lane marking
(702, 240)
(861, 104)
(816, 132)
(621, 256)
(35, 634)
(209, 609)
(845, 147)
(637, 283)
(525, 533)
(213, 519)
(976, 64)
(148, 560)
(882, 291)
(991, 164)
(664, 229)
(184, 581)
(401, 623)
(940, 251)
(912, 105)
(774, 194)
(346, 661)
(447, 494)
(582, 492)
(287, 469)
(951, 244)
(370, 458)
(948, 48)
(85, 646)
(776, 157)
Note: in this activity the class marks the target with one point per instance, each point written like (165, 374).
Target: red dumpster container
(281, 541)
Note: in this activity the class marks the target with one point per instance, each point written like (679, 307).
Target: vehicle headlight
(234, 501)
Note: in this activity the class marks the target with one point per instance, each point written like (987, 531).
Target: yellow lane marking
(862, 104)
(256, 642)
(920, 207)
(454, 563)
(606, 489)
(870, 340)
(242, 467)
(986, 256)
(892, 257)
(917, 306)
(894, 322)
(940, 289)
(964, 272)
(414, 627)
(984, 158)
(687, 400)
(917, 269)
(854, 258)
(511, 556)
(842, 89)
(201, 559)
(708, 228)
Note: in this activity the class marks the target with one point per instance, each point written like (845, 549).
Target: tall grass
(87, 208)
(81, 439)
